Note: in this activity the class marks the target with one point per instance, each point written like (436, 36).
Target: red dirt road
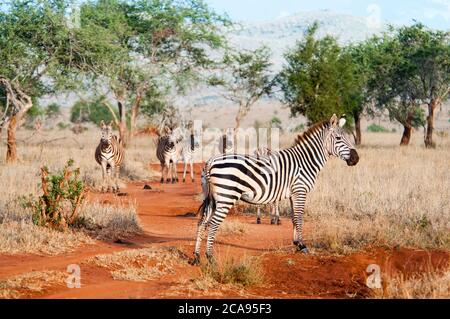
(286, 274)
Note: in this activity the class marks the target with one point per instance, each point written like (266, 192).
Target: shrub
(95, 111)
(375, 128)
(63, 194)
(244, 273)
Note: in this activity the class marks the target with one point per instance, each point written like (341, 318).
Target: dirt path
(162, 213)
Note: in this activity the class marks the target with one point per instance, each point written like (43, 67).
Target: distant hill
(282, 33)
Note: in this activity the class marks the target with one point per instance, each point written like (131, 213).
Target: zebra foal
(109, 154)
(289, 173)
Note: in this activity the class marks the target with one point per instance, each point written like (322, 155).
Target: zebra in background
(289, 173)
(187, 151)
(274, 209)
(167, 152)
(109, 154)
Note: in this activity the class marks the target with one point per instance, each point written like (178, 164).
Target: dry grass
(243, 273)
(232, 227)
(430, 285)
(17, 232)
(140, 264)
(395, 196)
(31, 283)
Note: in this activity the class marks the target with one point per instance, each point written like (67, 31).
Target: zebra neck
(311, 151)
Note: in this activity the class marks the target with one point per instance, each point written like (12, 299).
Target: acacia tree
(427, 53)
(147, 42)
(317, 79)
(392, 83)
(245, 77)
(33, 42)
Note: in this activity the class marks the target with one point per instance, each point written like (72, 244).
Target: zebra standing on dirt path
(167, 152)
(109, 154)
(187, 153)
(274, 209)
(289, 173)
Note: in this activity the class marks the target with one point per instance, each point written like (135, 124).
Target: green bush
(375, 128)
(299, 128)
(95, 111)
(275, 122)
(63, 194)
(52, 110)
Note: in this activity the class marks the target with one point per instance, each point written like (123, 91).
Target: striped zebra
(289, 173)
(109, 154)
(167, 152)
(187, 152)
(274, 209)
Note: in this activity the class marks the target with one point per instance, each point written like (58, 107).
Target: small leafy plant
(63, 194)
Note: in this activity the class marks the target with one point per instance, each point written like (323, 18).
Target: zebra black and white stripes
(289, 173)
(109, 154)
(189, 146)
(274, 208)
(167, 152)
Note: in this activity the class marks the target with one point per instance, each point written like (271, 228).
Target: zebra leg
(201, 227)
(277, 213)
(162, 173)
(116, 178)
(168, 173)
(298, 206)
(258, 215)
(108, 178)
(273, 218)
(192, 170)
(184, 171)
(175, 164)
(103, 176)
(217, 218)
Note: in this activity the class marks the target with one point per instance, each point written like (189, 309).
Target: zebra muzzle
(353, 159)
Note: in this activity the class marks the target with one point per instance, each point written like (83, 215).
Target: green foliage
(245, 77)
(94, 112)
(63, 194)
(275, 122)
(52, 110)
(317, 79)
(375, 128)
(299, 128)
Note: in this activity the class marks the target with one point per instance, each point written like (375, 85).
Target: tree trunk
(122, 121)
(134, 114)
(357, 118)
(11, 152)
(430, 123)
(407, 131)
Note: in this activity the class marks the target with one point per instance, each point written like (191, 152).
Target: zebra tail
(209, 203)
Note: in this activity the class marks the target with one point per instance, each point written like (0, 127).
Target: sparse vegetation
(429, 285)
(376, 128)
(232, 227)
(140, 264)
(245, 272)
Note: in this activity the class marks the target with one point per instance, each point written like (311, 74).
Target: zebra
(273, 207)
(110, 155)
(289, 173)
(167, 152)
(187, 152)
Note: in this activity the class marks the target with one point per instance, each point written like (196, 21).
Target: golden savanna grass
(54, 148)
(395, 196)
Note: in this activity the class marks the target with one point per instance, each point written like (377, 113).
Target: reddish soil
(286, 274)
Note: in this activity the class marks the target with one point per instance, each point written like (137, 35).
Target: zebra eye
(338, 138)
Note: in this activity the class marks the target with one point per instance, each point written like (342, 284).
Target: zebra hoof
(173, 181)
(258, 221)
(301, 247)
(168, 181)
(162, 180)
(278, 222)
(272, 221)
(195, 261)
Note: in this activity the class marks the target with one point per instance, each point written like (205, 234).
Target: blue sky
(433, 13)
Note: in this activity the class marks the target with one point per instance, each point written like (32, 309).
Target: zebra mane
(301, 138)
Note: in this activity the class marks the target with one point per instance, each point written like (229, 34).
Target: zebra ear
(334, 120)
(342, 121)
(102, 124)
(111, 123)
